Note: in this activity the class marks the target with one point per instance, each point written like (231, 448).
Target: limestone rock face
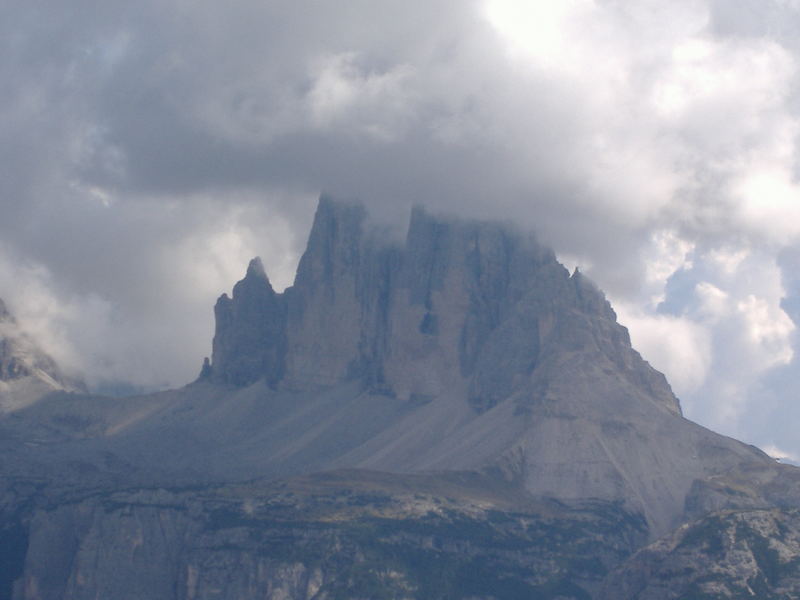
(325, 308)
(287, 543)
(461, 305)
(250, 341)
(729, 554)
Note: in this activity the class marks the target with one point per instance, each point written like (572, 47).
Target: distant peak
(418, 211)
(256, 269)
(334, 238)
(328, 202)
(254, 281)
(335, 210)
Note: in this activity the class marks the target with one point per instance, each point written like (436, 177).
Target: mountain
(503, 359)
(27, 373)
(450, 415)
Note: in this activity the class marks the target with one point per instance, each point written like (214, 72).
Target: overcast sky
(149, 149)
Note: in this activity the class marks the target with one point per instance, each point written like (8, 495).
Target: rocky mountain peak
(250, 335)
(468, 305)
(479, 331)
(333, 243)
(255, 269)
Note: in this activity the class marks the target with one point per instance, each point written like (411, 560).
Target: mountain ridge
(459, 396)
(477, 311)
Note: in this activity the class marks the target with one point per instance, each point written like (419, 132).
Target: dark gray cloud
(150, 148)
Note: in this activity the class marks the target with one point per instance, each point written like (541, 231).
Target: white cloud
(654, 143)
(713, 303)
(377, 104)
(770, 202)
(719, 331)
(677, 346)
(48, 316)
(543, 31)
(726, 261)
(669, 253)
(780, 454)
(768, 329)
(141, 338)
(738, 300)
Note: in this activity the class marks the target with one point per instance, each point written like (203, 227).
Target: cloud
(678, 346)
(781, 455)
(137, 306)
(149, 149)
(731, 298)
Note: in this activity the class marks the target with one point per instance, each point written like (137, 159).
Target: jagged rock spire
(461, 303)
(255, 269)
(249, 343)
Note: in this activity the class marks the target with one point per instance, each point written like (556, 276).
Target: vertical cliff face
(461, 305)
(250, 339)
(325, 312)
(289, 544)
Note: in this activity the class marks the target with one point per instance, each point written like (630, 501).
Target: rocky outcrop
(730, 554)
(322, 538)
(250, 339)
